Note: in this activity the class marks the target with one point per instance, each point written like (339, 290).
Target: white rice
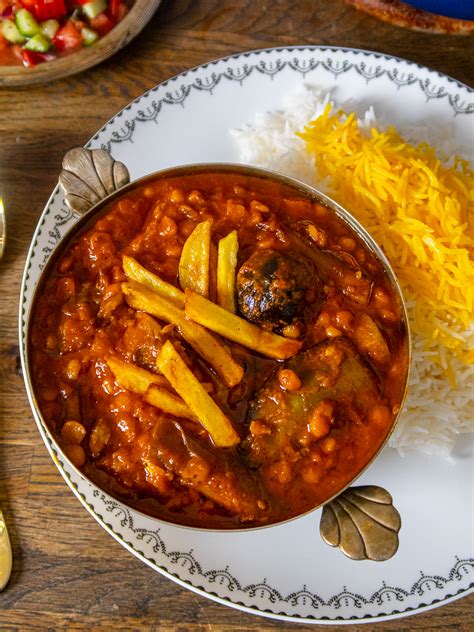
(434, 414)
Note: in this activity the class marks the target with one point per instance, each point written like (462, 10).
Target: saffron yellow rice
(418, 205)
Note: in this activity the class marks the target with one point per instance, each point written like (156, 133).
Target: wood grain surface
(68, 573)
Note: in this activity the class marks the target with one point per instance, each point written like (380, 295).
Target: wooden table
(68, 573)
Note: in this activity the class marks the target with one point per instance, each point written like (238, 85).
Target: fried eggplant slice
(332, 371)
(352, 282)
(212, 474)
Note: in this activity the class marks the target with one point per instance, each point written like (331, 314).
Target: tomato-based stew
(218, 350)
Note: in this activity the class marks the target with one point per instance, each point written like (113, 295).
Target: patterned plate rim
(61, 219)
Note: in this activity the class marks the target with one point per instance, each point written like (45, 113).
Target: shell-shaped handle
(88, 175)
(363, 523)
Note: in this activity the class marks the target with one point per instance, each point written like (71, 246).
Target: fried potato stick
(136, 272)
(235, 328)
(208, 347)
(133, 377)
(143, 382)
(226, 263)
(194, 260)
(185, 383)
(168, 403)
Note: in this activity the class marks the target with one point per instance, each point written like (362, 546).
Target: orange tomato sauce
(307, 426)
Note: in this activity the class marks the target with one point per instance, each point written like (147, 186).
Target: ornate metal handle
(363, 523)
(89, 175)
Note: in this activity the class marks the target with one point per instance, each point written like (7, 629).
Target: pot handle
(88, 176)
(363, 523)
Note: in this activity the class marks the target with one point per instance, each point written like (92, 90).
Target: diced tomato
(67, 38)
(117, 10)
(32, 59)
(46, 9)
(78, 24)
(102, 23)
(18, 52)
(3, 42)
(6, 8)
(29, 4)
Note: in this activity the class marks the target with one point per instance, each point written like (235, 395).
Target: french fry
(235, 328)
(133, 377)
(194, 261)
(191, 390)
(143, 382)
(136, 272)
(211, 349)
(212, 273)
(226, 263)
(168, 403)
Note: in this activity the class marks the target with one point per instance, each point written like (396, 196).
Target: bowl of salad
(41, 40)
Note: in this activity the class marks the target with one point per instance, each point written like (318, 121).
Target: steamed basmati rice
(439, 405)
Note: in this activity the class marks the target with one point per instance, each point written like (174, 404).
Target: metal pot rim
(303, 188)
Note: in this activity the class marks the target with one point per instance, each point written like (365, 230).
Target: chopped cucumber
(89, 36)
(39, 44)
(49, 28)
(93, 8)
(26, 23)
(11, 33)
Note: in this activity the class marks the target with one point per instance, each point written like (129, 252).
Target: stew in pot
(218, 350)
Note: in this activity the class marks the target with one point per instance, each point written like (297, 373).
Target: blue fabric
(462, 9)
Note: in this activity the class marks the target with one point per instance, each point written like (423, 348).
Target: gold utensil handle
(5, 553)
(3, 228)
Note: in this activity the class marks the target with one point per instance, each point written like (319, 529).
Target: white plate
(287, 572)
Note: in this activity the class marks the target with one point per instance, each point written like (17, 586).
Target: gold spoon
(5, 554)
(3, 230)
(5, 550)
(5, 547)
